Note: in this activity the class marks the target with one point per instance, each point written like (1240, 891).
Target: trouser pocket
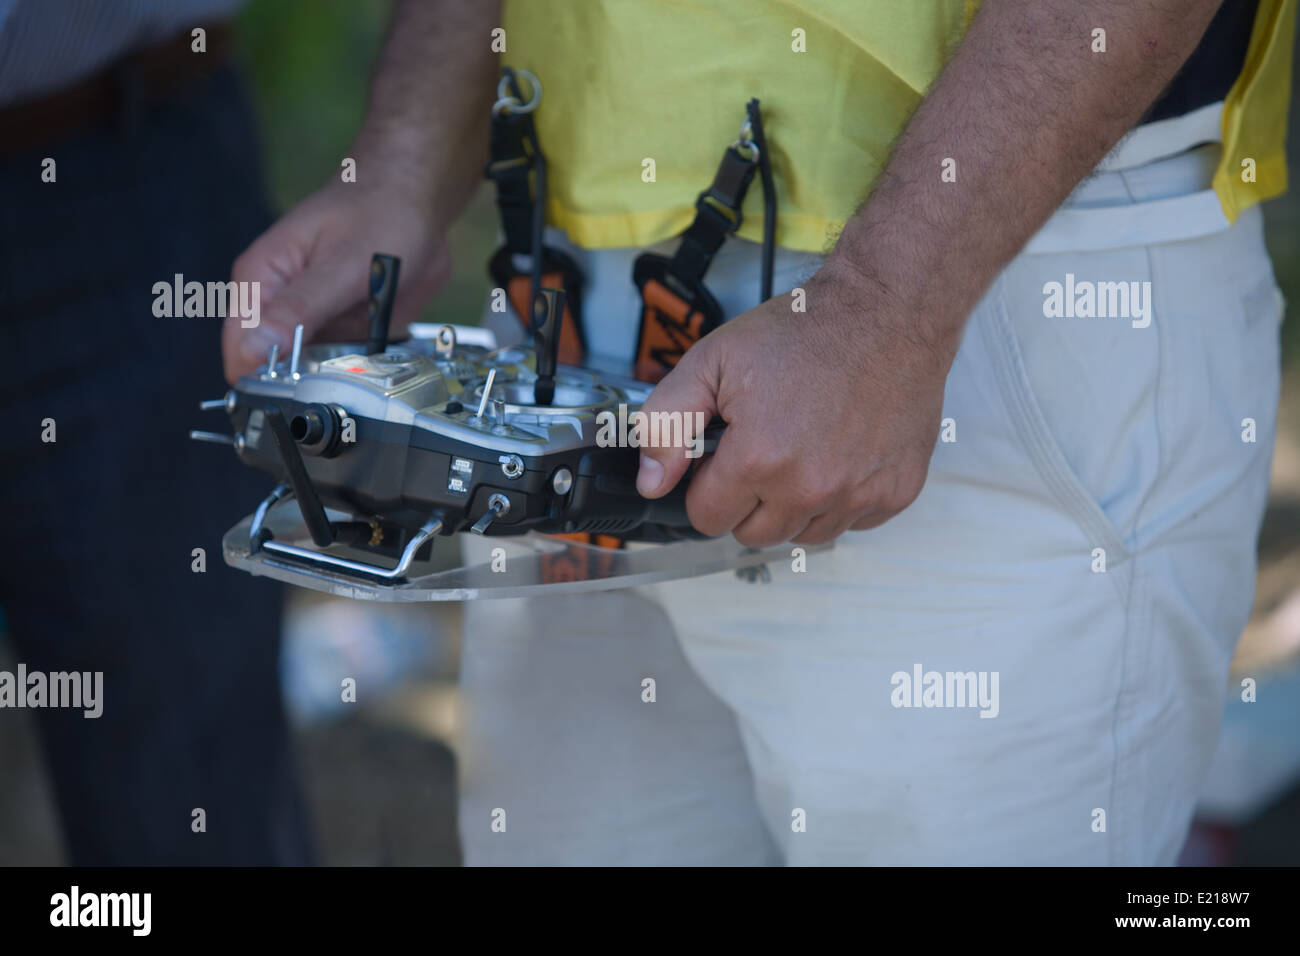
(1079, 390)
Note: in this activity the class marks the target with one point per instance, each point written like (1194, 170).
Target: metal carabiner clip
(745, 140)
(509, 103)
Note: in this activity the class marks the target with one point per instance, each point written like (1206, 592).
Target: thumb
(310, 298)
(684, 396)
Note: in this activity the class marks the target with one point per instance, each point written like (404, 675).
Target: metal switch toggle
(498, 505)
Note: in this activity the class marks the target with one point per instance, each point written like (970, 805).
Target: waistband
(1154, 186)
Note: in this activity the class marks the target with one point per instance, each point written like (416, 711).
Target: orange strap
(669, 326)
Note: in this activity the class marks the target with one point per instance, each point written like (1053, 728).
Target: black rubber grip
(383, 290)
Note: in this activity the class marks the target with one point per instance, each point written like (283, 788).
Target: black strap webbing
(518, 167)
(513, 153)
(717, 215)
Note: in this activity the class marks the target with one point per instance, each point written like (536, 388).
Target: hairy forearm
(1025, 109)
(426, 124)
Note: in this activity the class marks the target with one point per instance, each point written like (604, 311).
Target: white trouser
(774, 735)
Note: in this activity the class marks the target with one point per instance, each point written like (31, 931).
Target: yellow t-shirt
(628, 81)
(1255, 112)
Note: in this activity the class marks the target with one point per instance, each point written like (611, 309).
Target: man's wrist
(890, 297)
(430, 156)
(403, 172)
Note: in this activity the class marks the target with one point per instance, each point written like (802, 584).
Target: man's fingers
(328, 298)
(873, 519)
(683, 402)
(271, 262)
(312, 298)
(769, 525)
(718, 498)
(823, 528)
(416, 286)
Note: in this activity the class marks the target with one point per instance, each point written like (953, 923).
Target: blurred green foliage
(309, 64)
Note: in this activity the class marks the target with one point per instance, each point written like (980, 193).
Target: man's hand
(832, 416)
(419, 155)
(314, 268)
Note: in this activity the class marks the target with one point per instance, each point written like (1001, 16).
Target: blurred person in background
(155, 174)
